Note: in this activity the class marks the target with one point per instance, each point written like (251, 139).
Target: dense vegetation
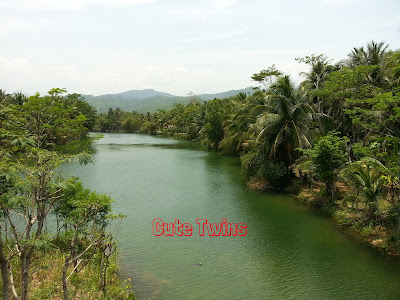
(149, 100)
(334, 139)
(76, 256)
(336, 135)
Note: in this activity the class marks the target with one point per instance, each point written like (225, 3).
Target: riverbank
(84, 284)
(347, 215)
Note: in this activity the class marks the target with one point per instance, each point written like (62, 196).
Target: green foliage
(57, 120)
(255, 163)
(212, 132)
(268, 129)
(368, 177)
(267, 77)
(76, 202)
(320, 69)
(32, 184)
(144, 101)
(328, 154)
(281, 125)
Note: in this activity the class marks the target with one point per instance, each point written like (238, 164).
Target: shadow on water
(163, 143)
(181, 145)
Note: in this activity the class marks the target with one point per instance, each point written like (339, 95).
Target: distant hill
(144, 94)
(149, 100)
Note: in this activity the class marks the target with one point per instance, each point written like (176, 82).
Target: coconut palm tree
(19, 98)
(282, 125)
(236, 127)
(320, 68)
(3, 96)
(373, 55)
(367, 178)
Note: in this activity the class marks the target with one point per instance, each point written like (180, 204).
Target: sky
(176, 46)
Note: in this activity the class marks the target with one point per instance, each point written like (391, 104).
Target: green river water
(288, 252)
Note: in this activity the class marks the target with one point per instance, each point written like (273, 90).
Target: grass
(46, 283)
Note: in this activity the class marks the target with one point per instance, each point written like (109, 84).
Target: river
(288, 252)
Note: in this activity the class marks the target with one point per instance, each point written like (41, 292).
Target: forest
(333, 140)
(55, 234)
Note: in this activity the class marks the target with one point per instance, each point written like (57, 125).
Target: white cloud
(69, 5)
(9, 25)
(293, 69)
(200, 11)
(336, 1)
(109, 46)
(223, 4)
(217, 36)
(15, 73)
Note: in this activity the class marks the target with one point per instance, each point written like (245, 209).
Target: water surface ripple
(288, 253)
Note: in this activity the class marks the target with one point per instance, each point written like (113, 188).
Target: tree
(267, 77)
(328, 154)
(282, 125)
(320, 69)
(373, 55)
(212, 132)
(52, 123)
(34, 190)
(340, 86)
(85, 213)
(30, 179)
(367, 176)
(236, 126)
(79, 106)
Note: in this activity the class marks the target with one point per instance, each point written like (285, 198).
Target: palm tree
(373, 55)
(3, 96)
(236, 127)
(283, 124)
(366, 177)
(19, 98)
(315, 79)
(320, 69)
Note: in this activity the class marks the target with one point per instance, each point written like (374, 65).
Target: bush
(342, 217)
(275, 173)
(256, 163)
(294, 188)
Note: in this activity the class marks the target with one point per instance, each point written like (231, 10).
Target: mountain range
(149, 100)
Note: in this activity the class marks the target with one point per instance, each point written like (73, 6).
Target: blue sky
(205, 46)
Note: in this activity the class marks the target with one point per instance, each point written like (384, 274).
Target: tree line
(36, 134)
(336, 134)
(337, 131)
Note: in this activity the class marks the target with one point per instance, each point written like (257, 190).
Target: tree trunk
(4, 270)
(329, 189)
(105, 275)
(64, 280)
(4, 276)
(102, 283)
(13, 289)
(25, 263)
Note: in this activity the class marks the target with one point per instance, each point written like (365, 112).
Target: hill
(149, 100)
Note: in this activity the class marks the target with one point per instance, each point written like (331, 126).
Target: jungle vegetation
(334, 139)
(54, 233)
(336, 134)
